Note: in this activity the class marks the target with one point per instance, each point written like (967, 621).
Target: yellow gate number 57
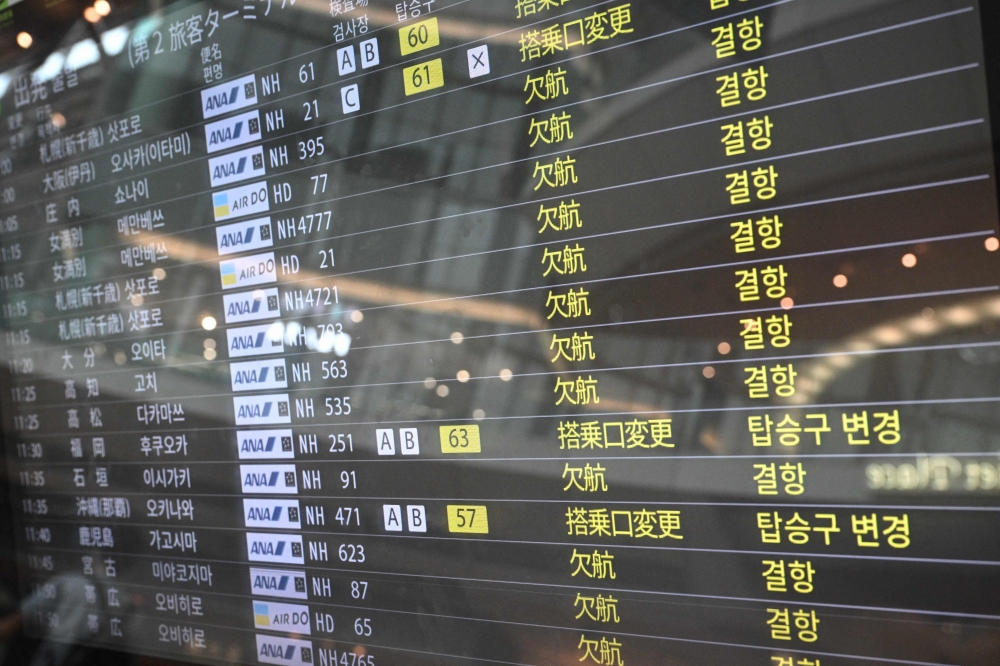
(460, 439)
(468, 519)
(423, 77)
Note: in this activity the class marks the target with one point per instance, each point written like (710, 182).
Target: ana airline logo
(258, 375)
(232, 132)
(264, 444)
(268, 479)
(283, 651)
(227, 97)
(253, 341)
(278, 514)
(278, 583)
(251, 305)
(262, 409)
(234, 167)
(243, 236)
(275, 548)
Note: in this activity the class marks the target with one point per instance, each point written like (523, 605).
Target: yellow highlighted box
(468, 519)
(423, 77)
(460, 439)
(419, 36)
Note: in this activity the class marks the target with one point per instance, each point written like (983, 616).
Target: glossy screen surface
(525, 332)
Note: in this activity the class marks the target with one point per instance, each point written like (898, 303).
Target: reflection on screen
(521, 332)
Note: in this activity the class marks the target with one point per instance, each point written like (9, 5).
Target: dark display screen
(529, 332)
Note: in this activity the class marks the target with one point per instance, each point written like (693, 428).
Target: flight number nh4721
(303, 299)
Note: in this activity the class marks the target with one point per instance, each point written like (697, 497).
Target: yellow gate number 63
(460, 439)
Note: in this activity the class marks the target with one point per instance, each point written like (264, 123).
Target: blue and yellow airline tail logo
(221, 202)
(261, 616)
(228, 270)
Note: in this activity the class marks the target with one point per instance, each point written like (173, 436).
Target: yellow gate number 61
(467, 519)
(423, 77)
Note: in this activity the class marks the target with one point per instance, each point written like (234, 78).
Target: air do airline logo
(283, 651)
(262, 409)
(253, 341)
(232, 132)
(242, 236)
(248, 271)
(251, 305)
(264, 444)
(278, 514)
(257, 375)
(275, 548)
(268, 479)
(227, 97)
(278, 583)
(273, 616)
(238, 201)
(234, 167)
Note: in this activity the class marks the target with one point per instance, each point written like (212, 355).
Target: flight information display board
(377, 332)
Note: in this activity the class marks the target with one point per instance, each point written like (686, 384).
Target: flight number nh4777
(292, 227)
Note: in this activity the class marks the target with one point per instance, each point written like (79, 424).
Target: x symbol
(479, 61)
